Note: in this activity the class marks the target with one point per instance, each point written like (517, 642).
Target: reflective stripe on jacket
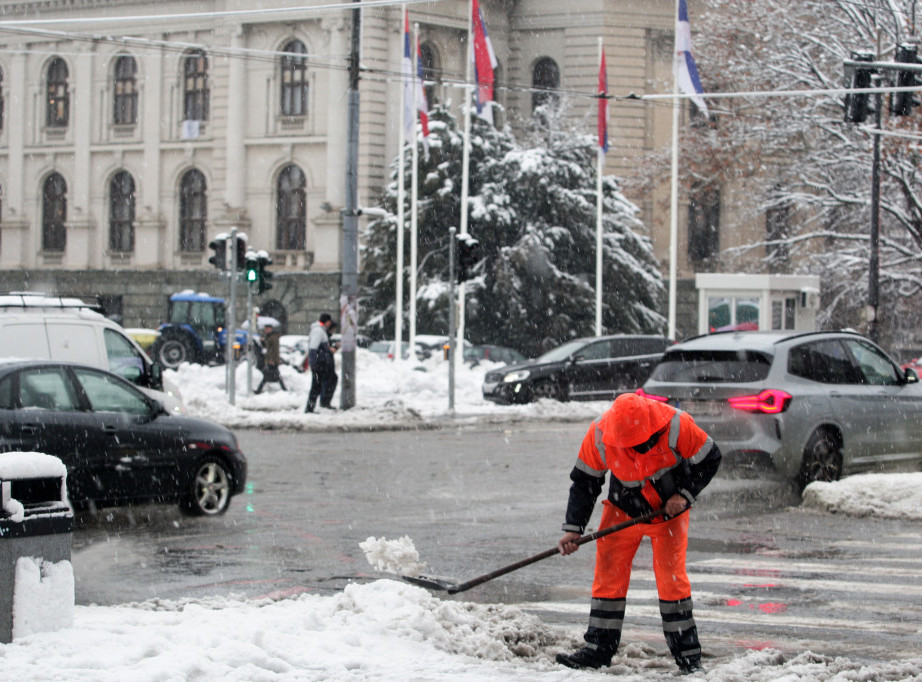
(682, 461)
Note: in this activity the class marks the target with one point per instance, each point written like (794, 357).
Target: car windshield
(712, 366)
(561, 352)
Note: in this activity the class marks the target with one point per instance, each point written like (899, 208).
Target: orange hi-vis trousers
(615, 554)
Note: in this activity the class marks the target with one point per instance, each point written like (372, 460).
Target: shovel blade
(431, 583)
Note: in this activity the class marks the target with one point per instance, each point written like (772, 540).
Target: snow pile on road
(386, 631)
(888, 496)
(393, 556)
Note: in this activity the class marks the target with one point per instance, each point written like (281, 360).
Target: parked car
(811, 405)
(489, 353)
(592, 368)
(70, 329)
(120, 446)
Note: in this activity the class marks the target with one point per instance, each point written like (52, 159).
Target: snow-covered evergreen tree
(533, 210)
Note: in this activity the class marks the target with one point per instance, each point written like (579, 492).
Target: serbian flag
(484, 63)
(603, 105)
(683, 66)
(422, 107)
(406, 75)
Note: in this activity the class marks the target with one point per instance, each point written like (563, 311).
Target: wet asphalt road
(473, 499)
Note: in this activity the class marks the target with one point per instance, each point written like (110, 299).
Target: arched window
(54, 213)
(57, 111)
(291, 210)
(294, 79)
(432, 73)
(193, 211)
(125, 103)
(121, 213)
(195, 87)
(545, 79)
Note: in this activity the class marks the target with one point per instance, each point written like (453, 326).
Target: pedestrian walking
(272, 359)
(322, 364)
(657, 458)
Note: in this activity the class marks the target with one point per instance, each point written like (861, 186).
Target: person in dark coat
(273, 359)
(322, 364)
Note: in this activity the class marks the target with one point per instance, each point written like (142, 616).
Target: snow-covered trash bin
(36, 531)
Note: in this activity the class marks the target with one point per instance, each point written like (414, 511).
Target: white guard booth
(745, 302)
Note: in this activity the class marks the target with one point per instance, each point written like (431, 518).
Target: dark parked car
(593, 368)
(489, 353)
(119, 446)
(811, 405)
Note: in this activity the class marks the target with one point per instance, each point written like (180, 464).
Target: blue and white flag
(684, 70)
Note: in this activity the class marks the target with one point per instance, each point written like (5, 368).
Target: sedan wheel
(822, 459)
(211, 489)
(549, 389)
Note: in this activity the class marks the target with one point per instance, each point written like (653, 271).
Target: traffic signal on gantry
(901, 103)
(857, 104)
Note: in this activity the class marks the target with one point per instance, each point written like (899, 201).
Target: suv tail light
(769, 401)
(657, 398)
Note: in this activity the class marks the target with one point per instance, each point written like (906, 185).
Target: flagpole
(401, 196)
(674, 193)
(598, 231)
(465, 163)
(414, 191)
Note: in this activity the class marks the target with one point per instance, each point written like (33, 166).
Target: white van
(38, 326)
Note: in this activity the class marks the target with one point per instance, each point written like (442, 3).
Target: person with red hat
(659, 459)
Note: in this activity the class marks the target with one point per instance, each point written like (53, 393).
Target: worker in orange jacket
(658, 459)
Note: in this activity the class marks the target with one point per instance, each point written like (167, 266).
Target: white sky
(386, 630)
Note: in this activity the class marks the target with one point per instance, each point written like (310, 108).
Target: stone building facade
(133, 133)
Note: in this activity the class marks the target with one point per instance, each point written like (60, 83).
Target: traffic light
(241, 250)
(219, 246)
(856, 104)
(263, 260)
(901, 103)
(469, 255)
(251, 268)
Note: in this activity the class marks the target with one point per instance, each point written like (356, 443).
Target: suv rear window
(712, 366)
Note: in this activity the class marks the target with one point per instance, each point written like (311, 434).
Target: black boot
(587, 657)
(681, 634)
(606, 616)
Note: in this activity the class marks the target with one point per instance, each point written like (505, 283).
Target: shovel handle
(554, 550)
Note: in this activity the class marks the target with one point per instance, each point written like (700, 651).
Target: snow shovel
(453, 588)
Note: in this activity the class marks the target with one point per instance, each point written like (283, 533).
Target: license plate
(702, 408)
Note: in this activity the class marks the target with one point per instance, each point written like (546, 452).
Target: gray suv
(813, 406)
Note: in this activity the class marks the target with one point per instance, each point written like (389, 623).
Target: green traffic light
(251, 275)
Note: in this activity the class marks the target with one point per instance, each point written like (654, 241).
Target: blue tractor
(194, 332)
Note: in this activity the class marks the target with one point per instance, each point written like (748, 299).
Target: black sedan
(592, 368)
(120, 447)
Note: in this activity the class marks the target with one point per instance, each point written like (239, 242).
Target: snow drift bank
(886, 496)
(385, 631)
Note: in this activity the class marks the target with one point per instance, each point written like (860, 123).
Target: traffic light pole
(874, 264)
(231, 337)
(348, 316)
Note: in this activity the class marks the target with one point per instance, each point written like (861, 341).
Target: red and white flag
(484, 63)
(422, 106)
(603, 104)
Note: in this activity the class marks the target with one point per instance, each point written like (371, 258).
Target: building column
(17, 248)
(235, 187)
(81, 243)
(153, 244)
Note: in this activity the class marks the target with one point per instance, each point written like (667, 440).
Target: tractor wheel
(174, 348)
